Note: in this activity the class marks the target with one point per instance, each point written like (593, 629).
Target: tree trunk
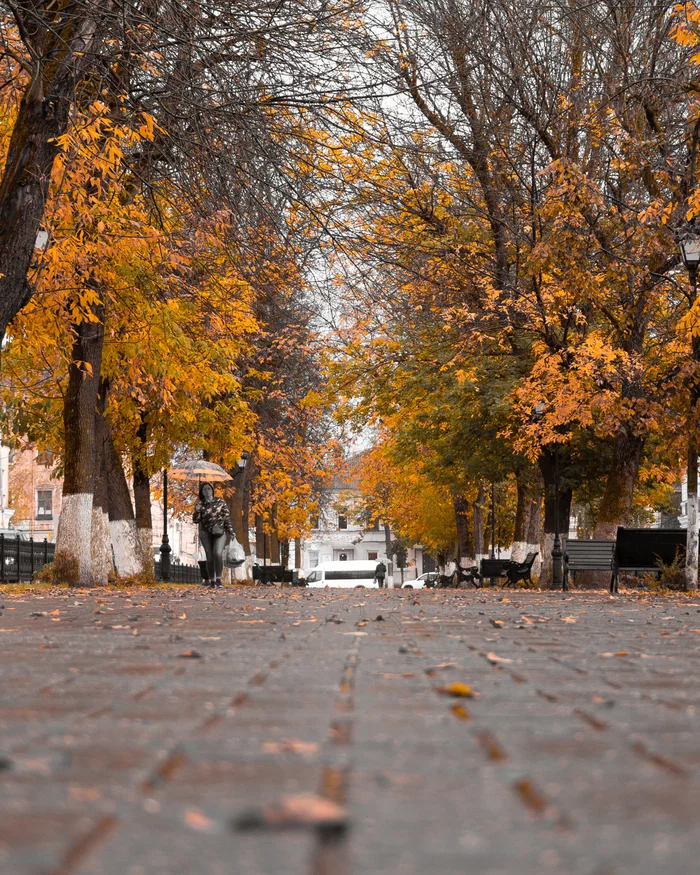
(616, 504)
(73, 561)
(284, 552)
(479, 547)
(61, 42)
(122, 521)
(522, 523)
(465, 543)
(274, 538)
(534, 531)
(297, 552)
(529, 497)
(238, 502)
(261, 547)
(100, 538)
(142, 507)
(547, 463)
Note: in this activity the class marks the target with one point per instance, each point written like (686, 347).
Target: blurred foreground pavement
(285, 732)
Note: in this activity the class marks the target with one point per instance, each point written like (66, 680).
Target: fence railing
(20, 558)
(180, 573)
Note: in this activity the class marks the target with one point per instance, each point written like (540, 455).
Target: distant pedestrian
(380, 574)
(214, 524)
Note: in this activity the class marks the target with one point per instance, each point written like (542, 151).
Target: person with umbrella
(214, 520)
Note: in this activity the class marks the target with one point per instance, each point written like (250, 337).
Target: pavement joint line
(330, 854)
(85, 845)
(660, 760)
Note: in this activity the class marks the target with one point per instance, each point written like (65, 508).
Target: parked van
(348, 574)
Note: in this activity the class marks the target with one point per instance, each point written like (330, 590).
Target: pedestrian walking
(214, 524)
(380, 574)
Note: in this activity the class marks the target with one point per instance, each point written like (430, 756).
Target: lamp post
(493, 520)
(165, 549)
(690, 251)
(557, 553)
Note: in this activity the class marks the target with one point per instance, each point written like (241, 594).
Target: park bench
(492, 568)
(516, 571)
(595, 555)
(271, 574)
(644, 550)
(512, 571)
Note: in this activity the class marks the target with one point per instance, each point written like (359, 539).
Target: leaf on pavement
(290, 745)
(198, 820)
(457, 689)
(191, 654)
(303, 810)
(494, 659)
(460, 712)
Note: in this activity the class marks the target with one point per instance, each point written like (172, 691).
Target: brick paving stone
(119, 753)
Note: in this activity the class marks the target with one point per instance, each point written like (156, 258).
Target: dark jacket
(380, 570)
(213, 516)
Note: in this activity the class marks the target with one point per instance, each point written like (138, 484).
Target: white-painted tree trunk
(73, 560)
(144, 546)
(546, 560)
(126, 547)
(691, 556)
(100, 547)
(519, 551)
(537, 564)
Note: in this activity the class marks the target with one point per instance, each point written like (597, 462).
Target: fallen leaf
(182, 616)
(430, 671)
(493, 658)
(497, 623)
(568, 620)
(290, 745)
(191, 654)
(209, 637)
(457, 689)
(303, 810)
(460, 712)
(196, 819)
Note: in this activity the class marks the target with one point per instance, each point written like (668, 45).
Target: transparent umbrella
(199, 470)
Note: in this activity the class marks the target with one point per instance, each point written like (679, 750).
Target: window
(351, 574)
(314, 577)
(372, 555)
(342, 521)
(44, 504)
(313, 558)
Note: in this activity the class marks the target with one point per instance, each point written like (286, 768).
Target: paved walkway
(284, 732)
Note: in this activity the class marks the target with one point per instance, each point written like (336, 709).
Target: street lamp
(165, 548)
(690, 251)
(689, 244)
(557, 553)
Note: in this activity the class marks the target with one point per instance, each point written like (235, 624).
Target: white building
(5, 511)
(337, 537)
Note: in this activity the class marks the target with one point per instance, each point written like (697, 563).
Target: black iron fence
(20, 557)
(180, 573)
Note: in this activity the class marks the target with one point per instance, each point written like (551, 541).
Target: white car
(428, 579)
(348, 574)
